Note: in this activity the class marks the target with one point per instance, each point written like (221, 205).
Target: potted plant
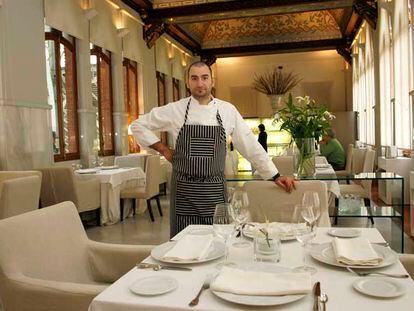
(275, 84)
(306, 122)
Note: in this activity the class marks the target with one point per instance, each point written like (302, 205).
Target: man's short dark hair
(198, 63)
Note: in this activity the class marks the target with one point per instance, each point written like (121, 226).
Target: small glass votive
(267, 246)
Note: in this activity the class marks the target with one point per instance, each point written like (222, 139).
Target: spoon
(323, 299)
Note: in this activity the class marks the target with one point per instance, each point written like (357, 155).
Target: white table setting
(113, 179)
(248, 285)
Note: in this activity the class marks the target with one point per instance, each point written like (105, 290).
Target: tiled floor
(140, 229)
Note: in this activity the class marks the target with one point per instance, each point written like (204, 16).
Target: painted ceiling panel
(161, 4)
(317, 25)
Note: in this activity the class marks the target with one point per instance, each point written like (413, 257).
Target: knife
(157, 267)
(317, 294)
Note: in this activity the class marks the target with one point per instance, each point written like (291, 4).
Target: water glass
(223, 225)
(267, 246)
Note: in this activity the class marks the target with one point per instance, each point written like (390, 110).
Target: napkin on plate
(244, 282)
(356, 252)
(190, 247)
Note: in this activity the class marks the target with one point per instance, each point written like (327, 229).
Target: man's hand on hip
(286, 182)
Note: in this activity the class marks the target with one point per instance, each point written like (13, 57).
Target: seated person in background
(333, 151)
(262, 137)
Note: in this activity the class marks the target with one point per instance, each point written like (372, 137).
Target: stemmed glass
(223, 226)
(311, 199)
(303, 217)
(239, 210)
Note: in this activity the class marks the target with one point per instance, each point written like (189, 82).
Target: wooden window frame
(161, 78)
(98, 52)
(129, 64)
(58, 38)
(176, 89)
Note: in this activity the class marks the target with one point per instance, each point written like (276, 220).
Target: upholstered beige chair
(271, 202)
(19, 192)
(59, 184)
(284, 165)
(408, 262)
(48, 263)
(150, 191)
(348, 164)
(362, 188)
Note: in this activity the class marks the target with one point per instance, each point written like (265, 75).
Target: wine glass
(223, 226)
(239, 209)
(303, 216)
(311, 199)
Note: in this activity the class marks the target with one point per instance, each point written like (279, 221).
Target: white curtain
(401, 74)
(385, 54)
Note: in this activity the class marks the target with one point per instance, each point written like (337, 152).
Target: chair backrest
(358, 157)
(153, 175)
(272, 202)
(131, 160)
(19, 195)
(58, 185)
(284, 164)
(232, 163)
(368, 167)
(49, 243)
(349, 156)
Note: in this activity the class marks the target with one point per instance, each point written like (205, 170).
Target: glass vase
(304, 158)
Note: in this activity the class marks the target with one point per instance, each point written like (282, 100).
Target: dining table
(113, 179)
(336, 282)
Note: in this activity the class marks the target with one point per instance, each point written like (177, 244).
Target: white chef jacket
(170, 118)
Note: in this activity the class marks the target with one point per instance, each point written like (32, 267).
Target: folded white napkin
(243, 282)
(285, 230)
(190, 247)
(356, 252)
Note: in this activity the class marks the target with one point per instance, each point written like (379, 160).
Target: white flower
(277, 116)
(328, 115)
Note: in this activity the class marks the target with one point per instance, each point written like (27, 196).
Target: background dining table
(336, 282)
(112, 181)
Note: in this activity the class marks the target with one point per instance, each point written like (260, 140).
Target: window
(131, 98)
(176, 89)
(386, 79)
(131, 89)
(60, 52)
(102, 98)
(401, 74)
(162, 100)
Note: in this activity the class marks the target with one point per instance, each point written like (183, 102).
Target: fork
(399, 276)
(206, 285)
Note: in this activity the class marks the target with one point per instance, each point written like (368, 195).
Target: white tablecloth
(336, 282)
(112, 181)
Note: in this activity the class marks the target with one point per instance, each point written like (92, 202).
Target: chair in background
(272, 203)
(131, 160)
(47, 261)
(59, 184)
(360, 189)
(348, 164)
(19, 192)
(150, 191)
(284, 165)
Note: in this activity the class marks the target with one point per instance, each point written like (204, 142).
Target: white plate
(87, 171)
(379, 287)
(154, 285)
(251, 300)
(113, 167)
(322, 165)
(217, 250)
(324, 253)
(344, 232)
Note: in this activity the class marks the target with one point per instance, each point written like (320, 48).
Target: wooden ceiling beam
(276, 48)
(242, 8)
(185, 40)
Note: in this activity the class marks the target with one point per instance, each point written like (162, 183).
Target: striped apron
(198, 182)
